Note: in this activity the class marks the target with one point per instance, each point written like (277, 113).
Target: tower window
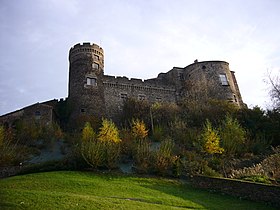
(96, 57)
(123, 95)
(95, 66)
(91, 81)
(223, 79)
(83, 110)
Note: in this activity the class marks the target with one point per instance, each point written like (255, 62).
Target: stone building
(92, 93)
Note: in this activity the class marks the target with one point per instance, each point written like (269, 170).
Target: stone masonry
(93, 93)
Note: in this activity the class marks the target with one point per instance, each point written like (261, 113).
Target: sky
(140, 38)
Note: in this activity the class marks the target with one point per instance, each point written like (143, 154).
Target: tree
(108, 132)
(103, 150)
(211, 139)
(88, 133)
(274, 82)
(232, 135)
(138, 129)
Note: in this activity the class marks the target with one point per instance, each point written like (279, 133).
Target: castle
(93, 93)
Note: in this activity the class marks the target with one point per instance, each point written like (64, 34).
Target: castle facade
(92, 93)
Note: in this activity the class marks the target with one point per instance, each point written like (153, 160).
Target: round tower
(86, 70)
(220, 79)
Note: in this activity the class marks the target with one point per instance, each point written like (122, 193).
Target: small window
(223, 79)
(235, 99)
(95, 66)
(96, 57)
(141, 97)
(203, 67)
(91, 81)
(123, 95)
(37, 115)
(83, 110)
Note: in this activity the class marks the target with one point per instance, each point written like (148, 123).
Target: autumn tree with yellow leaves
(211, 139)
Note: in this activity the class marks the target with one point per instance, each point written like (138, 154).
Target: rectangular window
(37, 115)
(91, 81)
(95, 66)
(223, 79)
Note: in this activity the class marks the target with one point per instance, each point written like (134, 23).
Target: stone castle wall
(93, 93)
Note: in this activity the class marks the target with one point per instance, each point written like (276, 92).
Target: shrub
(164, 157)
(10, 153)
(108, 132)
(211, 139)
(158, 133)
(142, 156)
(103, 150)
(232, 135)
(138, 129)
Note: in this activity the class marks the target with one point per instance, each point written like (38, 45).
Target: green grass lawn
(85, 190)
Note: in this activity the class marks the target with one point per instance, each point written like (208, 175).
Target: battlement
(83, 49)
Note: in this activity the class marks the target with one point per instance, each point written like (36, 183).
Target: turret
(86, 71)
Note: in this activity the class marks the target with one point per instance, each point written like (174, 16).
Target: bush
(233, 136)
(10, 152)
(164, 158)
(103, 150)
(211, 139)
(142, 156)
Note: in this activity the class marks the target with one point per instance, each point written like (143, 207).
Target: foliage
(88, 133)
(158, 133)
(143, 156)
(269, 167)
(258, 178)
(135, 109)
(164, 157)
(232, 135)
(103, 150)
(7, 149)
(194, 164)
(211, 139)
(163, 113)
(138, 129)
(274, 82)
(108, 132)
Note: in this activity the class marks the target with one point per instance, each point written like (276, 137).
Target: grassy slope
(82, 190)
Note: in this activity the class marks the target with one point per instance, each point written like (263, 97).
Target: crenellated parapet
(88, 50)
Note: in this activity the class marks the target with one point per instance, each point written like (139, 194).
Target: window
(83, 110)
(37, 115)
(96, 57)
(123, 95)
(141, 97)
(91, 81)
(181, 76)
(223, 79)
(95, 66)
(235, 99)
